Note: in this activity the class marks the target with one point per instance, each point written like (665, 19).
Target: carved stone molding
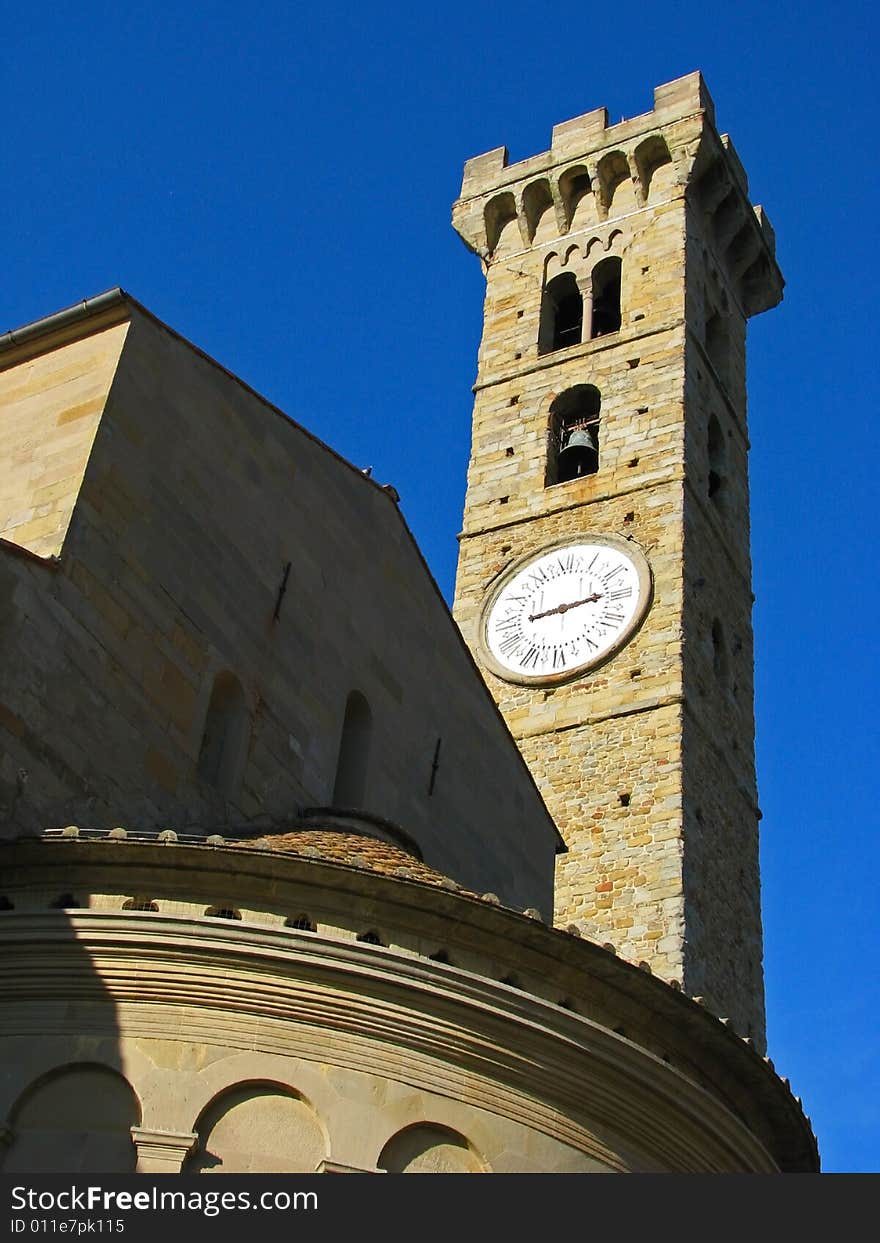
(162, 1152)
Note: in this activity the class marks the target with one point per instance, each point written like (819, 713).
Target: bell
(579, 454)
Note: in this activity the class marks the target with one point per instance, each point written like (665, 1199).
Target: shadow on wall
(65, 1102)
(73, 1099)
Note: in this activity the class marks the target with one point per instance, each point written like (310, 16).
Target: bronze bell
(579, 454)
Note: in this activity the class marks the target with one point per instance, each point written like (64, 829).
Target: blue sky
(275, 182)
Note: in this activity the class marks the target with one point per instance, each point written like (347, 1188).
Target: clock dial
(566, 609)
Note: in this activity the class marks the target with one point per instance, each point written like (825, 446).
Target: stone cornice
(707, 1050)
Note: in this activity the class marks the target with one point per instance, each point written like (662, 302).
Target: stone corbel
(635, 173)
(162, 1152)
(598, 186)
(521, 217)
(562, 222)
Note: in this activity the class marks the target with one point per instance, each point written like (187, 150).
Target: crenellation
(590, 134)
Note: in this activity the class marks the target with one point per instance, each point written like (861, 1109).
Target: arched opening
(427, 1148)
(615, 179)
(499, 217)
(717, 453)
(352, 766)
(536, 201)
(606, 297)
(370, 938)
(223, 912)
(140, 904)
(574, 186)
(65, 902)
(655, 166)
(573, 448)
(562, 314)
(302, 923)
(76, 1120)
(257, 1128)
(224, 739)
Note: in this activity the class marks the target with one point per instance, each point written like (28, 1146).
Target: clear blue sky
(274, 181)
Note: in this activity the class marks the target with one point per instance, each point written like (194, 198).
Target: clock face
(568, 608)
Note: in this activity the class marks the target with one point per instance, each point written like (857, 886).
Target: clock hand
(563, 608)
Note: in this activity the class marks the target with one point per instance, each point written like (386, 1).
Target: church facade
(298, 873)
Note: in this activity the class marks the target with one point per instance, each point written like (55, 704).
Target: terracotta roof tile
(353, 850)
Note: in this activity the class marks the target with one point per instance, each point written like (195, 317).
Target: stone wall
(196, 497)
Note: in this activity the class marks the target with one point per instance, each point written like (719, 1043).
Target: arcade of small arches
(88, 1116)
(579, 195)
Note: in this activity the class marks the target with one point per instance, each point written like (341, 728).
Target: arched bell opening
(606, 297)
(562, 314)
(573, 449)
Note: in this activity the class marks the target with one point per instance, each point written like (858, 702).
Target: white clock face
(566, 609)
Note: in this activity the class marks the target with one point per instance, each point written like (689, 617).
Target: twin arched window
(564, 312)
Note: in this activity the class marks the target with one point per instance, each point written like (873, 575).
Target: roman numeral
(530, 658)
(622, 593)
(511, 643)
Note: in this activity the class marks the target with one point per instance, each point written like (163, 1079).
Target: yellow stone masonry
(646, 761)
(51, 405)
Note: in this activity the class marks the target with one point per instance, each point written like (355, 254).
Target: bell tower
(604, 578)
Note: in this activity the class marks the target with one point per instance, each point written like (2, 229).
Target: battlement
(619, 169)
(673, 101)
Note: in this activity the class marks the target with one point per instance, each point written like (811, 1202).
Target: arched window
(223, 912)
(370, 938)
(302, 923)
(65, 902)
(573, 448)
(140, 904)
(606, 297)
(562, 314)
(352, 765)
(224, 741)
(717, 453)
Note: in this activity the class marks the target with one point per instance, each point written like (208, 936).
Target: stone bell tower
(604, 579)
